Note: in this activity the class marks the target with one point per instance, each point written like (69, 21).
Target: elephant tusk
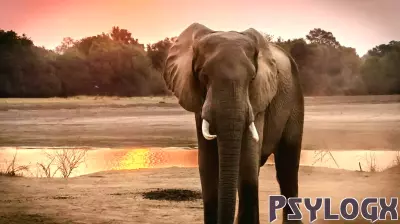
(253, 131)
(205, 127)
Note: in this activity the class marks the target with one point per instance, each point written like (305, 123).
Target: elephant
(247, 101)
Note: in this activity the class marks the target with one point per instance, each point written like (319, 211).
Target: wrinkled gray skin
(231, 79)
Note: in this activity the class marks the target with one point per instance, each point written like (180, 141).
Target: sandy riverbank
(364, 122)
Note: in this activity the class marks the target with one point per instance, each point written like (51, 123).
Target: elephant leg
(248, 191)
(208, 169)
(276, 117)
(287, 159)
(248, 176)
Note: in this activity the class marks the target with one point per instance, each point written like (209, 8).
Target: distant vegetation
(116, 64)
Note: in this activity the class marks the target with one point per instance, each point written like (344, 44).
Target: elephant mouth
(205, 127)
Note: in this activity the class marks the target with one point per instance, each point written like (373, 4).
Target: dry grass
(397, 159)
(13, 169)
(371, 162)
(322, 155)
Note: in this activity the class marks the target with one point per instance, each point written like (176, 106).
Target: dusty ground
(115, 196)
(359, 122)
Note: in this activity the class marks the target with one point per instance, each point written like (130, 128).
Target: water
(102, 159)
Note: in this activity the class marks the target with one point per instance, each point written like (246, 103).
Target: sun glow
(157, 158)
(135, 159)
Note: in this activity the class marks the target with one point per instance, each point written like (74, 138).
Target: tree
(25, 69)
(381, 69)
(66, 43)
(11, 38)
(320, 36)
(383, 49)
(85, 45)
(324, 70)
(115, 63)
(158, 52)
(124, 36)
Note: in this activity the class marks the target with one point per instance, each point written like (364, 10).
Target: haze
(361, 24)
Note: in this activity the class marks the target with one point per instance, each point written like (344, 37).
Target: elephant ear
(178, 70)
(264, 86)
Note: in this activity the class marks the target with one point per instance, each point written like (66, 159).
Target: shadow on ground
(172, 195)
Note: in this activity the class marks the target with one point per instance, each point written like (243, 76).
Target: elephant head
(227, 77)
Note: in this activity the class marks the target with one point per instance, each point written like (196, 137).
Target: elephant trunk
(231, 119)
(230, 132)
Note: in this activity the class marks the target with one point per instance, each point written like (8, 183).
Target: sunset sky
(361, 24)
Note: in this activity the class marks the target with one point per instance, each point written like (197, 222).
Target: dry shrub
(69, 159)
(46, 167)
(12, 169)
(65, 161)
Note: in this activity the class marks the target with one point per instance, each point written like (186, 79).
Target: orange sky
(361, 24)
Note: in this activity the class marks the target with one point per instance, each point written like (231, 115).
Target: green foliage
(66, 43)
(25, 69)
(105, 64)
(325, 69)
(381, 69)
(12, 39)
(158, 52)
(123, 36)
(322, 37)
(115, 63)
(383, 49)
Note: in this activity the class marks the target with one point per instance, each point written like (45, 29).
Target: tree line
(117, 64)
